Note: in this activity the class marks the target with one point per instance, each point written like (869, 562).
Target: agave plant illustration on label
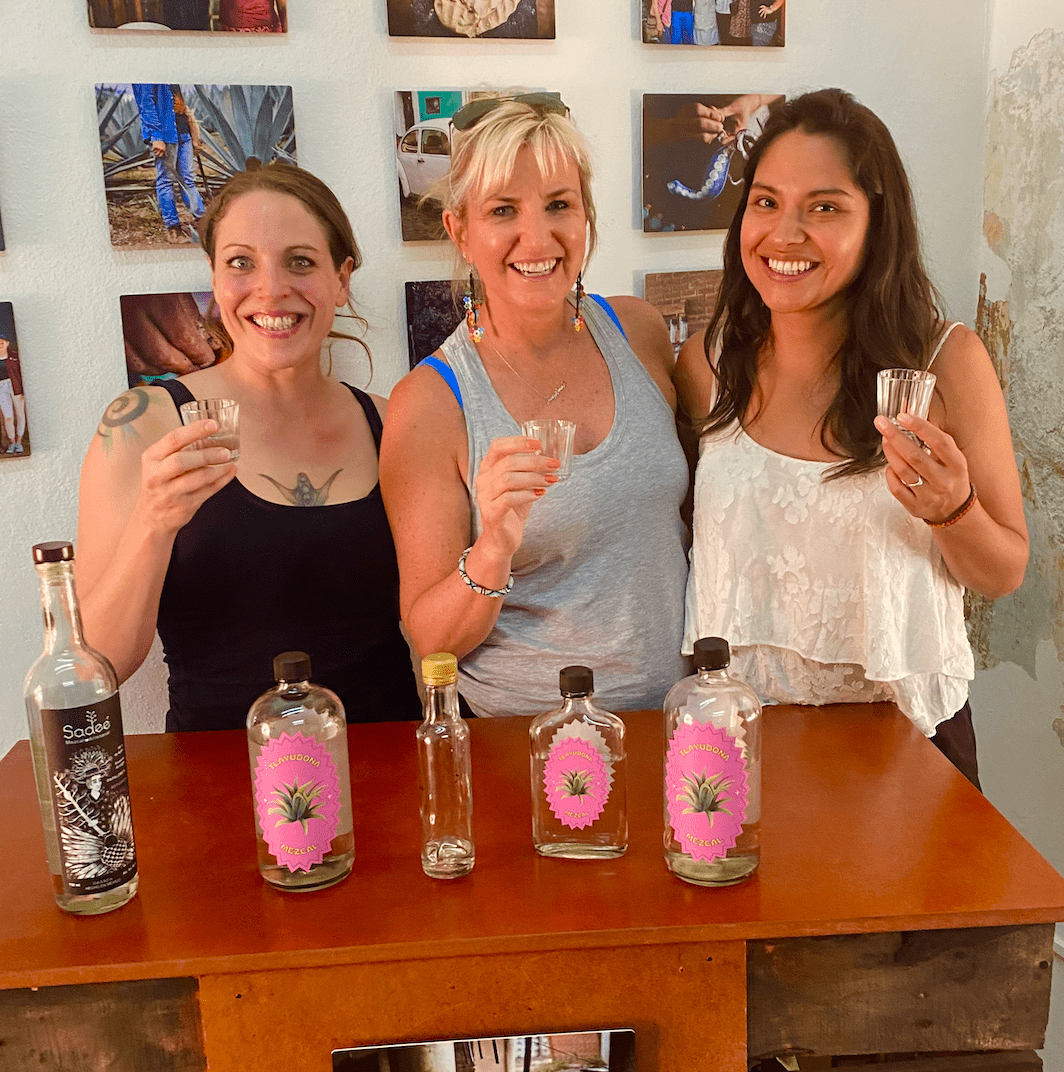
(706, 791)
(705, 794)
(576, 780)
(297, 803)
(297, 799)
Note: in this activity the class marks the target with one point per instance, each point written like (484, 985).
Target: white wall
(920, 66)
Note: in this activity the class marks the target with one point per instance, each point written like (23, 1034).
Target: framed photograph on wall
(743, 23)
(685, 300)
(164, 335)
(167, 149)
(208, 16)
(432, 313)
(695, 147)
(421, 125)
(14, 431)
(471, 18)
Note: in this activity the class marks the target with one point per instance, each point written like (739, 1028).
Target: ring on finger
(916, 483)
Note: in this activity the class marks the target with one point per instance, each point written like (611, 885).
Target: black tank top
(319, 579)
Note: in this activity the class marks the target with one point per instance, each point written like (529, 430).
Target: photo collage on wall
(167, 149)
(471, 18)
(695, 147)
(14, 431)
(743, 23)
(210, 16)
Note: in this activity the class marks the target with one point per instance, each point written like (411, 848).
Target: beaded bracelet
(495, 593)
(958, 513)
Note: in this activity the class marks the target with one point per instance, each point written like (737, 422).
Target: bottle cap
(292, 666)
(439, 668)
(712, 653)
(576, 681)
(53, 551)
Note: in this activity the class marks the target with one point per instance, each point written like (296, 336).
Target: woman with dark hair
(831, 548)
(287, 548)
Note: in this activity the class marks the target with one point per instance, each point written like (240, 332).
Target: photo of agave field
(167, 149)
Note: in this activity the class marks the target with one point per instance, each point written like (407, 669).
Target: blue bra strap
(609, 310)
(447, 373)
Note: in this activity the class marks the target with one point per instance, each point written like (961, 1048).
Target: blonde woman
(515, 572)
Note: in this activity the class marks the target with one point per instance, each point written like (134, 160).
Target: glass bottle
(712, 772)
(301, 781)
(579, 775)
(79, 755)
(444, 774)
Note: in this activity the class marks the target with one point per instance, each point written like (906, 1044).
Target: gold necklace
(547, 400)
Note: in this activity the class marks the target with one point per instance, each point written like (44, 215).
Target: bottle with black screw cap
(297, 744)
(712, 772)
(579, 775)
(79, 755)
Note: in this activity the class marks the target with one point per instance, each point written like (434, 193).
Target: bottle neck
(575, 705)
(59, 602)
(441, 702)
(709, 676)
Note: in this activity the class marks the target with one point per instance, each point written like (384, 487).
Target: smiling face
(805, 225)
(526, 239)
(274, 281)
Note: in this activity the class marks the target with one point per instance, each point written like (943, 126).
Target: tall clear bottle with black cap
(79, 756)
(301, 781)
(579, 775)
(444, 773)
(712, 772)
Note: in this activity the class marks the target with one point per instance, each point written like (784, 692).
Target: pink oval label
(297, 798)
(706, 790)
(576, 782)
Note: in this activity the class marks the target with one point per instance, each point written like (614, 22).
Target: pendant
(557, 391)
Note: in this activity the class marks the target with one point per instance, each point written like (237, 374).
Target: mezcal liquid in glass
(444, 774)
(297, 745)
(579, 775)
(79, 756)
(712, 773)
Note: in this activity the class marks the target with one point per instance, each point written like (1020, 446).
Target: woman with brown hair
(287, 548)
(830, 548)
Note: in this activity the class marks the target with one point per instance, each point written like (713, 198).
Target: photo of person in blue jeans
(168, 128)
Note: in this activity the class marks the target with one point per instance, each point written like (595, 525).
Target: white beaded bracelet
(495, 593)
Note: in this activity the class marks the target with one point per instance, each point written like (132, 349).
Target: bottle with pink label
(712, 773)
(297, 743)
(579, 777)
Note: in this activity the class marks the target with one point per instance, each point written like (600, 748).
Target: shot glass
(556, 439)
(901, 390)
(225, 412)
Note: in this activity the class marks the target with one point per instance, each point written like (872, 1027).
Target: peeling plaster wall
(1019, 640)
(920, 66)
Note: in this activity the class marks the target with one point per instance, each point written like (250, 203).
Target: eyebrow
(288, 249)
(827, 191)
(549, 196)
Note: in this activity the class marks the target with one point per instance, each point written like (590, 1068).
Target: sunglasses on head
(470, 114)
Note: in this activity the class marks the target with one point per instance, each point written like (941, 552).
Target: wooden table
(895, 910)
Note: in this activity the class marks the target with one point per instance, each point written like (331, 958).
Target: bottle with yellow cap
(444, 773)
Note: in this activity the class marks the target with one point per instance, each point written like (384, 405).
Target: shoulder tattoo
(121, 413)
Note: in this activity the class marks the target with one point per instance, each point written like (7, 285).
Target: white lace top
(828, 592)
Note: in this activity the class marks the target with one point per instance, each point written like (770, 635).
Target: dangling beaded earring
(578, 317)
(472, 303)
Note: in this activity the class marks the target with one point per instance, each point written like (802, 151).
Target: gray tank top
(600, 575)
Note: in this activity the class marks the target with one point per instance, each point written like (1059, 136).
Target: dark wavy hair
(319, 200)
(893, 311)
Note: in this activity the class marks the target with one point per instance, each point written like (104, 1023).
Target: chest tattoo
(304, 493)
